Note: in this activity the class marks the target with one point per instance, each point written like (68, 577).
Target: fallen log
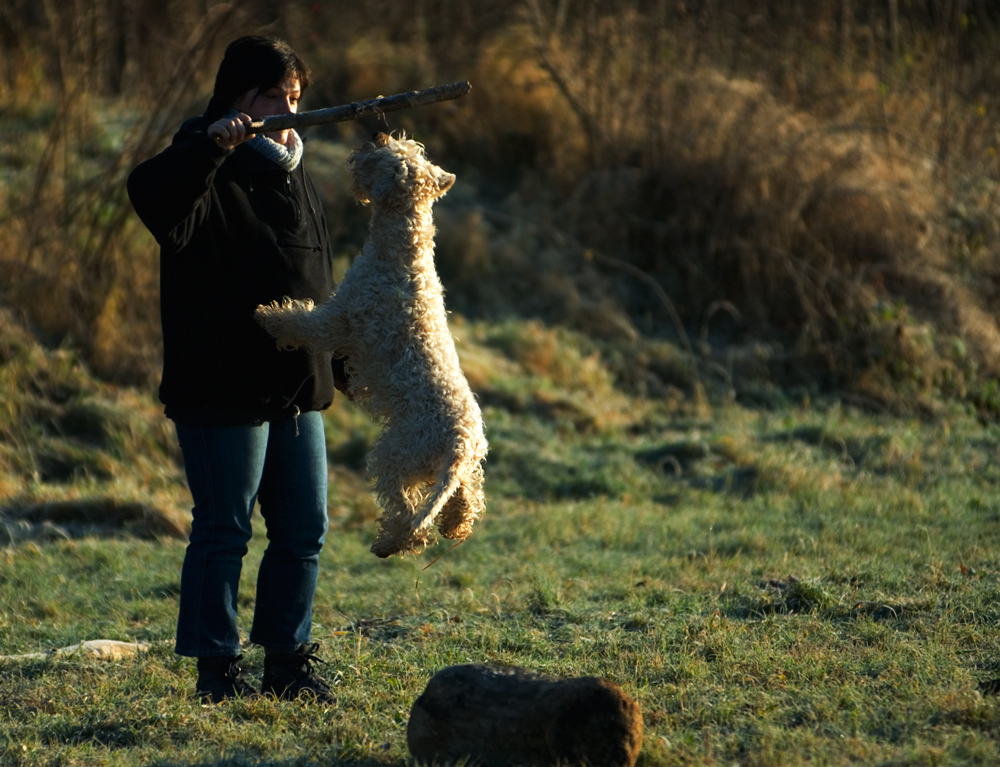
(500, 716)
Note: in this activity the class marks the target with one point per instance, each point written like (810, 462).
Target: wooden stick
(358, 109)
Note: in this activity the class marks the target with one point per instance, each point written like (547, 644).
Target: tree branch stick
(358, 109)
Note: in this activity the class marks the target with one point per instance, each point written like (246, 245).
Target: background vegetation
(811, 185)
(725, 280)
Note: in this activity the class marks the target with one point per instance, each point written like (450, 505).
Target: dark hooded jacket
(235, 231)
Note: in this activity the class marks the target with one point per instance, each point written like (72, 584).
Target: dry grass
(73, 447)
(729, 180)
(834, 228)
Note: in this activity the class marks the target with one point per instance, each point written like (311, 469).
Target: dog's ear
(444, 181)
(361, 163)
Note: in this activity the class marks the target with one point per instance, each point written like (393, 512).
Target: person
(239, 223)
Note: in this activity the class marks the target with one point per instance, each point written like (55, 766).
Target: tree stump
(499, 716)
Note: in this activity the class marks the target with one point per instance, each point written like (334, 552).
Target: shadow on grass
(853, 451)
(297, 762)
(540, 478)
(683, 460)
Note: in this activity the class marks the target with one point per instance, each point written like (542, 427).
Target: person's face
(279, 100)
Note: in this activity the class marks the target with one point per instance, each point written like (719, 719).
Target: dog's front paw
(284, 306)
(263, 312)
(283, 320)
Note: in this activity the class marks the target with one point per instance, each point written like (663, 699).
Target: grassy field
(725, 281)
(807, 584)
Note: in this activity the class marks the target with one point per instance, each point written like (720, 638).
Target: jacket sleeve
(172, 192)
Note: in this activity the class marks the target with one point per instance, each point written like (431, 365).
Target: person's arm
(171, 191)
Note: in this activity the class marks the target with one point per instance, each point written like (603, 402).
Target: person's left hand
(230, 132)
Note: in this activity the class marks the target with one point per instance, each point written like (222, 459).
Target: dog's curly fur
(388, 321)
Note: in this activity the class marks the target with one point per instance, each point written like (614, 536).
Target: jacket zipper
(291, 196)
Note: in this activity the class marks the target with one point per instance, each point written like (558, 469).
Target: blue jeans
(228, 468)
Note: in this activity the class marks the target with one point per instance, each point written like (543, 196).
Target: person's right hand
(231, 131)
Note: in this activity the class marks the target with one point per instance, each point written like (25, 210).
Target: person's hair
(254, 62)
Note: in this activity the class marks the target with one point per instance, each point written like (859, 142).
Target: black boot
(222, 678)
(288, 675)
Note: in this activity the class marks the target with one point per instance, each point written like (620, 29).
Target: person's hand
(231, 131)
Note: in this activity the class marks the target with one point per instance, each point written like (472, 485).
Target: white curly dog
(388, 321)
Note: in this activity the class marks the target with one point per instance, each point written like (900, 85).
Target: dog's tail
(447, 484)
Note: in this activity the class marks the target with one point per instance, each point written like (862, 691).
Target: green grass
(779, 583)
(806, 585)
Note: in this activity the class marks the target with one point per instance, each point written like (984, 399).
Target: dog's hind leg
(462, 509)
(395, 529)
(398, 497)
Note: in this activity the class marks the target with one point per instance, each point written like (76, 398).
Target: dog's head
(396, 173)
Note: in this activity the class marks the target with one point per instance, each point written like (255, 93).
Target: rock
(97, 649)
